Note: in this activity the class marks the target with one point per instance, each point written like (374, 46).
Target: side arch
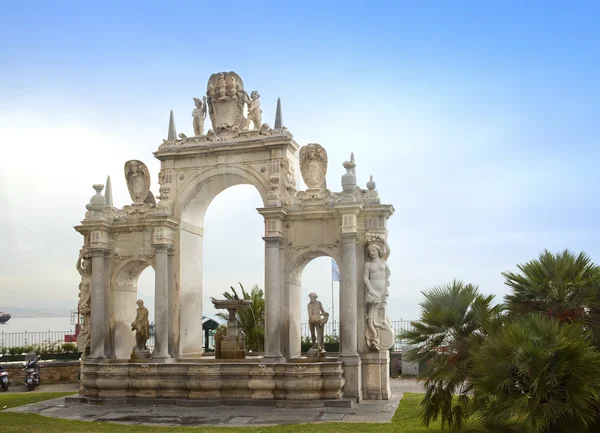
(292, 295)
(124, 296)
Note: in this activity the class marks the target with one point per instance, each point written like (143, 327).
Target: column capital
(349, 238)
(161, 248)
(273, 241)
(98, 251)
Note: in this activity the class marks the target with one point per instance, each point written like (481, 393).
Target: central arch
(197, 193)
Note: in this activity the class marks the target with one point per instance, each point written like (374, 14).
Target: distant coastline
(34, 313)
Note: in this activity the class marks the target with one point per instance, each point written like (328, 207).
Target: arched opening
(130, 285)
(226, 263)
(298, 285)
(145, 292)
(321, 276)
(233, 246)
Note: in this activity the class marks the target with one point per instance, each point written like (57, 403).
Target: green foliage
(331, 339)
(562, 285)
(252, 319)
(540, 371)
(455, 318)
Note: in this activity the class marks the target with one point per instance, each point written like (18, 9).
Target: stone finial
(108, 192)
(278, 120)
(371, 184)
(172, 136)
(98, 201)
(349, 178)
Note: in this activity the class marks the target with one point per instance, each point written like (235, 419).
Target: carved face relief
(313, 165)
(138, 180)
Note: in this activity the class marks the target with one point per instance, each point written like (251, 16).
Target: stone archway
(124, 297)
(292, 300)
(196, 195)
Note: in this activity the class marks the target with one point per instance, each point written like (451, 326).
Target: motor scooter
(32, 371)
(3, 378)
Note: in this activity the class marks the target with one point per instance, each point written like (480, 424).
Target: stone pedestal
(376, 375)
(231, 349)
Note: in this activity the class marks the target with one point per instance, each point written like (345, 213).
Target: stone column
(349, 303)
(348, 297)
(98, 328)
(171, 302)
(273, 299)
(161, 305)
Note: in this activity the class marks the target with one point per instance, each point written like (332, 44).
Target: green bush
(539, 372)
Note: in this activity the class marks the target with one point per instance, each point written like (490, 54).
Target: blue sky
(478, 121)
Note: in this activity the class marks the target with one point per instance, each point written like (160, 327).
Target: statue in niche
(199, 114)
(379, 333)
(84, 267)
(289, 176)
(313, 165)
(141, 326)
(317, 318)
(138, 181)
(254, 110)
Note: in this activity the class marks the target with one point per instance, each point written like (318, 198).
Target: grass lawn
(406, 419)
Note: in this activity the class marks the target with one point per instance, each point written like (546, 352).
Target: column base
(274, 359)
(376, 375)
(352, 375)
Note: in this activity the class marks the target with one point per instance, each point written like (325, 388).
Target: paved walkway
(366, 411)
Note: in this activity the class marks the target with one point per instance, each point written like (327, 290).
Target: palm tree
(563, 285)
(539, 374)
(455, 318)
(252, 319)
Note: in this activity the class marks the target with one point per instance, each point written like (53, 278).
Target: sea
(37, 324)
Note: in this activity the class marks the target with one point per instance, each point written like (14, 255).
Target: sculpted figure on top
(313, 165)
(199, 114)
(379, 333)
(254, 110)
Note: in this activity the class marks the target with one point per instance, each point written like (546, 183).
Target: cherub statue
(254, 110)
(317, 318)
(199, 114)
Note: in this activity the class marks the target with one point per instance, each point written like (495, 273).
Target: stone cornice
(190, 147)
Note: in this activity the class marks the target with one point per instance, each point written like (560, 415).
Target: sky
(477, 120)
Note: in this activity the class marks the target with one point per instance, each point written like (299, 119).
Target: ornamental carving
(313, 165)
(289, 176)
(226, 98)
(138, 180)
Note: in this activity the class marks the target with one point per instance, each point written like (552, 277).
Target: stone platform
(376, 411)
(225, 382)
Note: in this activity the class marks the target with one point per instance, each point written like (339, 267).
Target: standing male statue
(141, 326)
(317, 318)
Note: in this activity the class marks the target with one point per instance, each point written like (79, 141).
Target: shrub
(539, 372)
